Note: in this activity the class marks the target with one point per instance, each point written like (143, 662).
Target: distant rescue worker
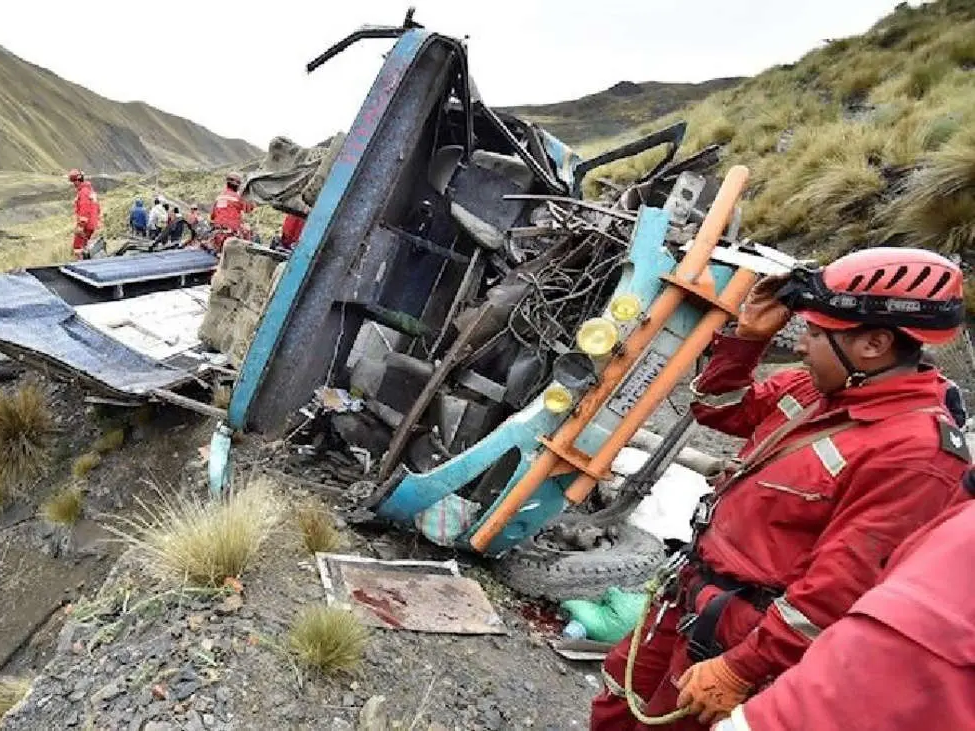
(173, 233)
(844, 460)
(139, 218)
(291, 229)
(229, 209)
(902, 658)
(193, 217)
(87, 211)
(157, 218)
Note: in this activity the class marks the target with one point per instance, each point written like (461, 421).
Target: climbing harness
(661, 592)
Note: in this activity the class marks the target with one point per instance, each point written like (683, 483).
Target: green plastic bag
(611, 618)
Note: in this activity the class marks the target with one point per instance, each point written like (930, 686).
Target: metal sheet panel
(39, 325)
(115, 270)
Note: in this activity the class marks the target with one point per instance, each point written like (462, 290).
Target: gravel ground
(141, 654)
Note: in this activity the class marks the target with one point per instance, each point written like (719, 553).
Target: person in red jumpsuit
(87, 212)
(844, 459)
(291, 229)
(228, 211)
(902, 658)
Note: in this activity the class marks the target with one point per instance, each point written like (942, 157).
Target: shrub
(64, 507)
(12, 690)
(109, 441)
(221, 396)
(26, 434)
(318, 531)
(84, 464)
(328, 639)
(203, 541)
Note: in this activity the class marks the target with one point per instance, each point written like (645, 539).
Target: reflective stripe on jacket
(821, 521)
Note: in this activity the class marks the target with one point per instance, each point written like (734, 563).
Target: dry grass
(860, 110)
(64, 507)
(201, 541)
(12, 690)
(221, 397)
(328, 639)
(318, 531)
(83, 465)
(47, 239)
(937, 208)
(26, 435)
(109, 441)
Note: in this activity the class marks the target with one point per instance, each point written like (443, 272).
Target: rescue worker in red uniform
(228, 211)
(902, 658)
(87, 212)
(291, 229)
(844, 459)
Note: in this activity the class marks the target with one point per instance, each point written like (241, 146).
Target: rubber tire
(544, 573)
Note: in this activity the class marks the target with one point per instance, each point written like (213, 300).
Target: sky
(238, 67)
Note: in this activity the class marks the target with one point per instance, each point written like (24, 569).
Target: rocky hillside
(617, 109)
(48, 124)
(864, 141)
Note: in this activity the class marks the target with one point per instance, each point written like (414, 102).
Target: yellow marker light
(625, 307)
(597, 336)
(557, 398)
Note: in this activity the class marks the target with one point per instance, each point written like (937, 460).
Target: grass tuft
(26, 435)
(203, 541)
(109, 441)
(937, 207)
(318, 531)
(12, 691)
(64, 507)
(221, 397)
(328, 639)
(83, 465)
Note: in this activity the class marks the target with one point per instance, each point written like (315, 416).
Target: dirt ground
(110, 647)
(96, 657)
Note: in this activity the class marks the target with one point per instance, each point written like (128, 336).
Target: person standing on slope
(229, 209)
(87, 212)
(157, 218)
(902, 658)
(844, 459)
(138, 219)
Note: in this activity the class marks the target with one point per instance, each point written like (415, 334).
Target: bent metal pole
(559, 450)
(677, 366)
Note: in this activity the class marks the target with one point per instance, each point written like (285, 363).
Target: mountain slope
(617, 109)
(48, 124)
(868, 140)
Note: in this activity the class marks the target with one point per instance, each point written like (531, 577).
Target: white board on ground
(158, 325)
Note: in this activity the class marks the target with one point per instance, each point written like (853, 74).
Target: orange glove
(762, 315)
(710, 689)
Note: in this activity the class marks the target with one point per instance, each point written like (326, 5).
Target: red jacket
(821, 521)
(291, 230)
(228, 210)
(903, 658)
(87, 212)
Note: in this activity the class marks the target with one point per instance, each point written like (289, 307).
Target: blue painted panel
(565, 158)
(314, 234)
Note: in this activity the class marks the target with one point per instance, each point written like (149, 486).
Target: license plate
(636, 383)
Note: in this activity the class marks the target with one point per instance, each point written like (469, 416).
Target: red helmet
(913, 290)
(233, 178)
(74, 175)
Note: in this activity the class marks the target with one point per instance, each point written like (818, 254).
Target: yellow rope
(632, 699)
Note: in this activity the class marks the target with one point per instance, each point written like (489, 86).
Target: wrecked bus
(532, 332)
